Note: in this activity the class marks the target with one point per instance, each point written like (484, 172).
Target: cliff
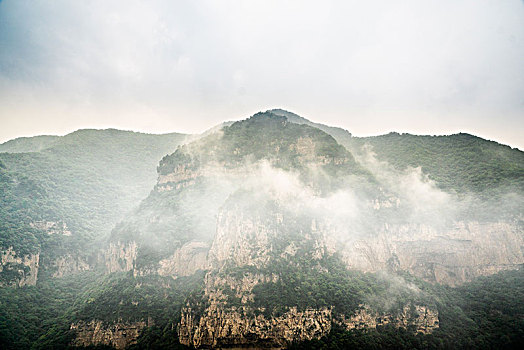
(450, 256)
(17, 270)
(247, 251)
(68, 265)
(421, 318)
(120, 256)
(118, 334)
(238, 328)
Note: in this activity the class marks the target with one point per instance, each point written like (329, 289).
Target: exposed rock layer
(118, 335)
(25, 268)
(448, 256)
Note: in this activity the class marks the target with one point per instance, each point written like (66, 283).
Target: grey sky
(426, 67)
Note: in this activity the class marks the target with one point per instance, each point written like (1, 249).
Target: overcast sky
(425, 67)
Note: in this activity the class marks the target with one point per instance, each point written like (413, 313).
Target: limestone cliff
(449, 256)
(220, 325)
(185, 261)
(263, 200)
(240, 328)
(18, 270)
(226, 316)
(68, 265)
(118, 334)
(121, 256)
(421, 318)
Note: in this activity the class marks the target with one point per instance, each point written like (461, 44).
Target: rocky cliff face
(421, 318)
(121, 256)
(449, 256)
(17, 270)
(118, 335)
(185, 261)
(240, 328)
(69, 264)
(215, 323)
(225, 316)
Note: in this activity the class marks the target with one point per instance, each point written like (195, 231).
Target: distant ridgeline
(270, 232)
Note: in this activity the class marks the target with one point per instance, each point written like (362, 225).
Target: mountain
(275, 232)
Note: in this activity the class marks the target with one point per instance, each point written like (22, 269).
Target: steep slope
(266, 194)
(60, 201)
(455, 204)
(459, 163)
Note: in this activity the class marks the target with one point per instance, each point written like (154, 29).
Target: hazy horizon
(239, 119)
(427, 68)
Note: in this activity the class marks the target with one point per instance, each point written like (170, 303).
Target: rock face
(118, 335)
(449, 256)
(236, 328)
(421, 318)
(16, 270)
(247, 239)
(185, 261)
(52, 227)
(121, 256)
(225, 316)
(69, 264)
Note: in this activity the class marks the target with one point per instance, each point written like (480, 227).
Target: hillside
(460, 163)
(61, 201)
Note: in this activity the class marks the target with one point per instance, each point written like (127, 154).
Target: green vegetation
(88, 180)
(266, 136)
(28, 144)
(20, 199)
(158, 338)
(307, 283)
(459, 163)
(39, 317)
(189, 213)
(122, 297)
(485, 314)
